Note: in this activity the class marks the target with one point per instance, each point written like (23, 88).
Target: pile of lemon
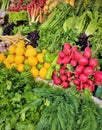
(21, 54)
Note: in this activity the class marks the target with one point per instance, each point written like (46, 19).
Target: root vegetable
(87, 52)
(88, 71)
(73, 62)
(65, 84)
(79, 69)
(76, 82)
(83, 61)
(93, 62)
(83, 78)
(63, 77)
(98, 77)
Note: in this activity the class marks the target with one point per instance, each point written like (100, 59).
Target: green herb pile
(52, 34)
(26, 104)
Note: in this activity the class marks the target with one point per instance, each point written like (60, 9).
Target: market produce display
(50, 65)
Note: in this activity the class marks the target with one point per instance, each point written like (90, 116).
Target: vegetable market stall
(50, 65)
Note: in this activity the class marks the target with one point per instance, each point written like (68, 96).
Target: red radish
(67, 52)
(87, 52)
(76, 82)
(54, 72)
(98, 77)
(69, 79)
(57, 81)
(78, 88)
(76, 75)
(65, 84)
(93, 62)
(62, 71)
(63, 77)
(83, 61)
(74, 48)
(88, 71)
(63, 67)
(90, 82)
(73, 62)
(77, 55)
(83, 78)
(68, 73)
(59, 61)
(61, 54)
(92, 88)
(79, 69)
(67, 46)
(66, 60)
(86, 85)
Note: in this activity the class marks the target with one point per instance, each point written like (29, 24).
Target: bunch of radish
(76, 67)
(25, 4)
(33, 7)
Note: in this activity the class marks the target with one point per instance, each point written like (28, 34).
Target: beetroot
(98, 77)
(83, 78)
(83, 61)
(87, 52)
(79, 69)
(88, 71)
(73, 62)
(93, 62)
(65, 84)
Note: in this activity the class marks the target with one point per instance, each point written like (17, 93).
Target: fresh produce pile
(28, 104)
(78, 68)
(50, 64)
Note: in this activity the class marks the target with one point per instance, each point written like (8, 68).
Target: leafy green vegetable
(18, 16)
(36, 105)
(51, 32)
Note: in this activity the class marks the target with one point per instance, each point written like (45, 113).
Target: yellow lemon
(19, 59)
(32, 60)
(2, 57)
(20, 67)
(21, 44)
(10, 58)
(35, 72)
(30, 52)
(12, 49)
(46, 65)
(20, 51)
(42, 72)
(7, 64)
(29, 46)
(13, 65)
(40, 57)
